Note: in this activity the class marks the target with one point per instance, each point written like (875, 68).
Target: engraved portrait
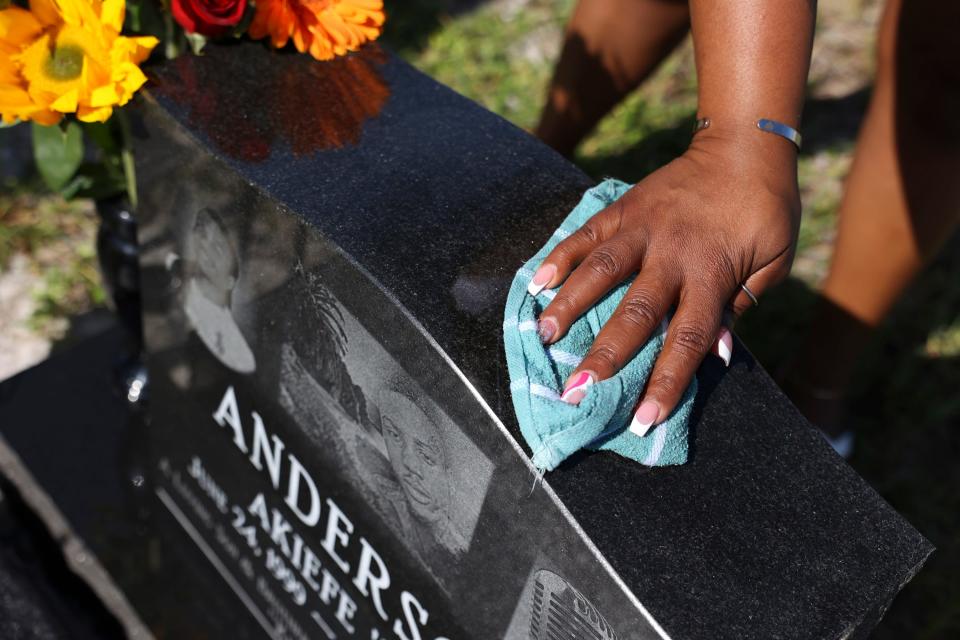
(417, 452)
(211, 268)
(412, 464)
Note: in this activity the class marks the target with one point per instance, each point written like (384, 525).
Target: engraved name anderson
(370, 575)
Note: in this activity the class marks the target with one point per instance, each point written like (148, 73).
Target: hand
(726, 212)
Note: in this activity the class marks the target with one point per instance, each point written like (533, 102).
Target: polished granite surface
(764, 533)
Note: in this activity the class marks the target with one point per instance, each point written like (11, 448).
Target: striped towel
(554, 429)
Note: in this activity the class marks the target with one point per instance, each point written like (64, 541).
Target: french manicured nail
(546, 329)
(540, 279)
(643, 419)
(577, 388)
(724, 346)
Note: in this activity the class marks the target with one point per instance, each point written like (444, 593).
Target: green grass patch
(58, 239)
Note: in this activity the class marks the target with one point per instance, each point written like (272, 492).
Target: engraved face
(416, 455)
(213, 266)
(215, 261)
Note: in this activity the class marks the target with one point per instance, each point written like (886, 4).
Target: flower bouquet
(68, 66)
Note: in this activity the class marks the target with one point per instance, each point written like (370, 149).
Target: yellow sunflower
(67, 56)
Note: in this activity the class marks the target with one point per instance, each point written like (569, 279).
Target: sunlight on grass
(499, 55)
(58, 238)
(944, 342)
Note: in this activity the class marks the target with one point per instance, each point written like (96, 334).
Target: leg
(611, 46)
(901, 202)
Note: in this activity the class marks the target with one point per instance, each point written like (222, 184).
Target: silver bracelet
(764, 124)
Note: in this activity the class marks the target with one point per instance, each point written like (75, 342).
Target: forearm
(752, 60)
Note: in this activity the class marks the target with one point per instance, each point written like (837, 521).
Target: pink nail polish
(644, 418)
(577, 388)
(724, 345)
(540, 279)
(546, 329)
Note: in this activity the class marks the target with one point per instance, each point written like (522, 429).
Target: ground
(499, 53)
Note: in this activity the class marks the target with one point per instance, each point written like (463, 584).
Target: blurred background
(500, 53)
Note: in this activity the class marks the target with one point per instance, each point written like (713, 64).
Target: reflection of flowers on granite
(308, 105)
(190, 86)
(350, 91)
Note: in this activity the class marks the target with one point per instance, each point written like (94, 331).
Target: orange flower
(325, 28)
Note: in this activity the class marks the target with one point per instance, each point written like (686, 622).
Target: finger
(636, 318)
(570, 252)
(692, 331)
(758, 283)
(723, 346)
(605, 267)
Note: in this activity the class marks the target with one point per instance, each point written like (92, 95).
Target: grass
(501, 54)
(57, 237)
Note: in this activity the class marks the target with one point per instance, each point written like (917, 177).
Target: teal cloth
(554, 429)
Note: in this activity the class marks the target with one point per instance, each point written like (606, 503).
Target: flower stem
(126, 157)
(171, 46)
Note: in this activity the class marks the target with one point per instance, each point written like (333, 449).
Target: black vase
(117, 254)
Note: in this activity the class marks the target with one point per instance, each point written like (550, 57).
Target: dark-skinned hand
(726, 212)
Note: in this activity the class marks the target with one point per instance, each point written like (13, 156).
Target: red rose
(208, 17)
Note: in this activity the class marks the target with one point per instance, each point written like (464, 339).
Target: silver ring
(750, 295)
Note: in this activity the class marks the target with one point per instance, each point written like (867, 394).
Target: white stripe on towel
(562, 233)
(520, 384)
(564, 357)
(543, 392)
(548, 294)
(527, 325)
(659, 439)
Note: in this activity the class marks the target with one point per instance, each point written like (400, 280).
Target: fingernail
(576, 389)
(644, 418)
(724, 345)
(540, 279)
(546, 329)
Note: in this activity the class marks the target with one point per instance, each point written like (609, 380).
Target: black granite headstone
(330, 449)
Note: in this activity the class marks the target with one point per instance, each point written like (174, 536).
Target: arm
(726, 212)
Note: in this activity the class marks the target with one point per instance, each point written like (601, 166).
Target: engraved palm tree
(326, 345)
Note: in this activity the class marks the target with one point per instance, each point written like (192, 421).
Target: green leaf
(57, 152)
(95, 180)
(101, 133)
(133, 20)
(197, 42)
